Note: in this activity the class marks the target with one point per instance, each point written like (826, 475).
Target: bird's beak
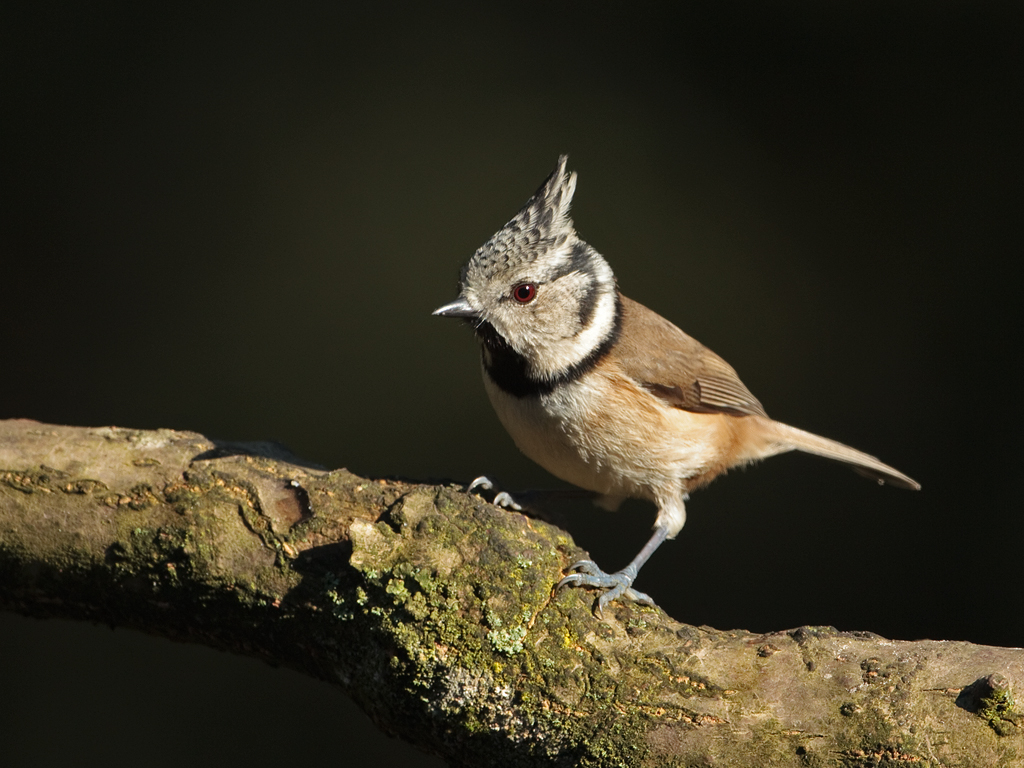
(458, 308)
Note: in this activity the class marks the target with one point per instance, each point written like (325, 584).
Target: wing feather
(683, 372)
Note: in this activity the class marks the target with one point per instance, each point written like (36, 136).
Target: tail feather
(788, 438)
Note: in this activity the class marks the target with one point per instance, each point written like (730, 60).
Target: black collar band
(509, 371)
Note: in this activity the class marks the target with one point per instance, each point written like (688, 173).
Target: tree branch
(434, 611)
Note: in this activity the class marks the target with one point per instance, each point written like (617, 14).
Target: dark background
(236, 220)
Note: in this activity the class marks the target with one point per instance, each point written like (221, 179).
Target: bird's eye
(524, 292)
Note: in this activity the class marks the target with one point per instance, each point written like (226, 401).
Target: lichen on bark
(435, 611)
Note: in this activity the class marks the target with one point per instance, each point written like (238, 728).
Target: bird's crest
(542, 224)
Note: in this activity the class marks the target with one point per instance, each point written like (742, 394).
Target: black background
(236, 220)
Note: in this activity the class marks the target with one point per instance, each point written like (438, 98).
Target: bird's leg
(585, 573)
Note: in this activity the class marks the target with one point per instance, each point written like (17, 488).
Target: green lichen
(396, 588)
(997, 709)
(489, 658)
(508, 641)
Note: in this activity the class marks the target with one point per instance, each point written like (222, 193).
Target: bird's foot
(586, 573)
(502, 499)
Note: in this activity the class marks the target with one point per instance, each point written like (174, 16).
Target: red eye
(524, 292)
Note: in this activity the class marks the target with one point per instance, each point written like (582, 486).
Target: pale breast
(605, 434)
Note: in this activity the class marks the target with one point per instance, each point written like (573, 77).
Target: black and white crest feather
(542, 226)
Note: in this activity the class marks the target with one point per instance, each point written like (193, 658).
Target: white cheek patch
(552, 356)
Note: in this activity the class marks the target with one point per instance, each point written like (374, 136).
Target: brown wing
(682, 371)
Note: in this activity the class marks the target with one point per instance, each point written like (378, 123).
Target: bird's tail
(786, 438)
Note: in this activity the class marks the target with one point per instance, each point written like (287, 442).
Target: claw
(506, 502)
(586, 573)
(483, 482)
(585, 566)
(502, 500)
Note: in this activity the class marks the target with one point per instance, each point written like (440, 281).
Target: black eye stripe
(580, 260)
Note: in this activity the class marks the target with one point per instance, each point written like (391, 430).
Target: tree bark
(434, 610)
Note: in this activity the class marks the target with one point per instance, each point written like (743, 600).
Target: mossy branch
(434, 610)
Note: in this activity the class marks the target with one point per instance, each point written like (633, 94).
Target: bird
(603, 392)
